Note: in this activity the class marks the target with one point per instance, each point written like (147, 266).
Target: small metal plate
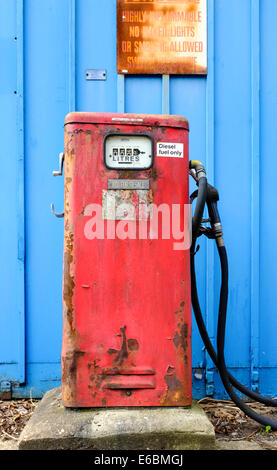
(128, 184)
(96, 74)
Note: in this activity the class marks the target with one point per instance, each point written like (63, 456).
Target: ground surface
(232, 426)
(233, 429)
(14, 415)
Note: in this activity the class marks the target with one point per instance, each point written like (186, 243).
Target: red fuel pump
(129, 264)
(126, 282)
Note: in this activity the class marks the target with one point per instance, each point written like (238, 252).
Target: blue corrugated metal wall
(46, 47)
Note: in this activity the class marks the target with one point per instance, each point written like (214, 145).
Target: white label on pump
(126, 204)
(169, 149)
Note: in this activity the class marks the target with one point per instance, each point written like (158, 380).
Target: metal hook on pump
(59, 215)
(58, 172)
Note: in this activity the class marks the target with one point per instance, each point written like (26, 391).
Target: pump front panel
(126, 284)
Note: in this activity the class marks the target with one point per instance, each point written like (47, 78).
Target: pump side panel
(127, 315)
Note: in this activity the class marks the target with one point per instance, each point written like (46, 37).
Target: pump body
(126, 290)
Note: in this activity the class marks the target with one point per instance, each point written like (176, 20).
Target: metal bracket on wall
(96, 74)
(254, 380)
(209, 382)
(5, 390)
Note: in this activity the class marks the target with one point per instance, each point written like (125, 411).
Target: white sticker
(168, 149)
(127, 205)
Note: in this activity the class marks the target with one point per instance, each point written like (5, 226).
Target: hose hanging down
(212, 198)
(219, 360)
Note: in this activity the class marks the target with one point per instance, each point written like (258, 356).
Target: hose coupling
(218, 234)
(198, 167)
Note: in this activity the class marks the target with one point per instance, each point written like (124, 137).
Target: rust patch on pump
(175, 393)
(122, 354)
(112, 351)
(181, 310)
(173, 383)
(128, 346)
(181, 339)
(95, 377)
(133, 344)
(69, 372)
(70, 365)
(69, 284)
(69, 358)
(68, 274)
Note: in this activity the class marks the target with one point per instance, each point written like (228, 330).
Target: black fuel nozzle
(201, 179)
(212, 200)
(201, 195)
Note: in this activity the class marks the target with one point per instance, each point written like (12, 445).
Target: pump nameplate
(128, 184)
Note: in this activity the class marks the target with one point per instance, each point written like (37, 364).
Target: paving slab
(52, 426)
(9, 445)
(238, 445)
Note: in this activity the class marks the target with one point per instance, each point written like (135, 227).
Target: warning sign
(162, 36)
(167, 149)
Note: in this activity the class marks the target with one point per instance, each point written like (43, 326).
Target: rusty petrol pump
(126, 298)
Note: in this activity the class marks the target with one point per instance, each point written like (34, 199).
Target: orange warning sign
(162, 37)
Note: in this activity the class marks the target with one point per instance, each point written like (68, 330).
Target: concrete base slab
(53, 426)
(238, 445)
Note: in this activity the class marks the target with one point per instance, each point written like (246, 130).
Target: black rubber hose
(210, 349)
(220, 346)
(205, 337)
(219, 359)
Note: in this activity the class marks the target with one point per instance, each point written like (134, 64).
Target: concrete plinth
(53, 426)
